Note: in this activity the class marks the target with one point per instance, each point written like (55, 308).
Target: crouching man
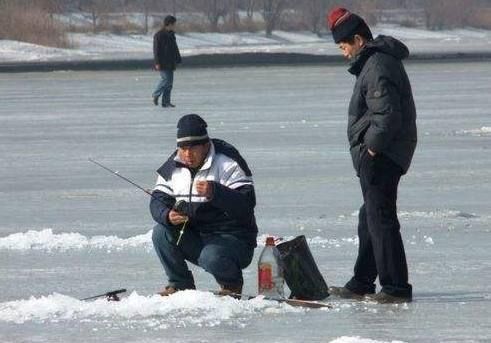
(204, 204)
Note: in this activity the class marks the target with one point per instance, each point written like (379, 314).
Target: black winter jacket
(382, 114)
(165, 50)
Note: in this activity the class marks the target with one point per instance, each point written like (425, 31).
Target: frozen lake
(70, 230)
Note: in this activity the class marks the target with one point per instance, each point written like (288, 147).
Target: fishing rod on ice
(180, 206)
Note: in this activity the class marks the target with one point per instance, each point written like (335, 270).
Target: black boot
(232, 291)
(384, 298)
(345, 293)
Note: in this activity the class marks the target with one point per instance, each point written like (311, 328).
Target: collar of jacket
(207, 162)
(359, 61)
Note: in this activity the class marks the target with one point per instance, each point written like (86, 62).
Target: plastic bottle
(270, 274)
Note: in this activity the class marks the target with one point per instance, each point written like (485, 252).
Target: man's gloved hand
(205, 189)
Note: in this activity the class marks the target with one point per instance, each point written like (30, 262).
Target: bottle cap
(270, 241)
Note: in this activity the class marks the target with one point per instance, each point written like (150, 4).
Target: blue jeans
(223, 256)
(164, 87)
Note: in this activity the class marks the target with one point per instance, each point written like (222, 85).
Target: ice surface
(69, 230)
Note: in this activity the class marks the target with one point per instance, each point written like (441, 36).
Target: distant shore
(224, 60)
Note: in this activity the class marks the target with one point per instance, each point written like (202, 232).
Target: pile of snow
(483, 131)
(14, 51)
(356, 339)
(184, 308)
(46, 240)
(319, 241)
(436, 214)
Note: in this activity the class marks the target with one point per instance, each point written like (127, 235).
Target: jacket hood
(384, 44)
(388, 45)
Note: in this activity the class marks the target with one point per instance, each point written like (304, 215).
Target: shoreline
(225, 61)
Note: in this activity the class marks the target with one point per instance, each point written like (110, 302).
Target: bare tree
(272, 11)
(214, 11)
(233, 14)
(441, 14)
(148, 6)
(250, 6)
(95, 8)
(174, 7)
(366, 9)
(314, 12)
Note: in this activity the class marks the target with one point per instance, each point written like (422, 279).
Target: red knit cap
(337, 16)
(344, 24)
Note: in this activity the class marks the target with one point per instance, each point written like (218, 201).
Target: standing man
(167, 57)
(203, 204)
(382, 137)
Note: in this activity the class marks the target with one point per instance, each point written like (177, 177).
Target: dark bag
(300, 270)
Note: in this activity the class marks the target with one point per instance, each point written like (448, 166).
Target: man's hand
(372, 153)
(176, 218)
(204, 189)
(157, 67)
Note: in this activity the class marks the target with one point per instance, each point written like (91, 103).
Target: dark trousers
(381, 250)
(223, 256)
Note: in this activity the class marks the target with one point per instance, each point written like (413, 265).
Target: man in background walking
(382, 137)
(167, 57)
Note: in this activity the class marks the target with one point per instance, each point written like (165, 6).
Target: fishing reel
(182, 207)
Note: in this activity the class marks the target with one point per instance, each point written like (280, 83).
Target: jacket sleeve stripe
(240, 183)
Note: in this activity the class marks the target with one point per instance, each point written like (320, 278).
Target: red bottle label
(265, 276)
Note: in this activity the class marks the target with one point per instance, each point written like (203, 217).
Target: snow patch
(110, 46)
(429, 240)
(184, 308)
(483, 131)
(47, 240)
(319, 241)
(436, 214)
(356, 339)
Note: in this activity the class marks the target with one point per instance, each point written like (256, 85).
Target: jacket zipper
(191, 187)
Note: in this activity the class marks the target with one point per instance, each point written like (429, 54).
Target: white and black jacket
(229, 211)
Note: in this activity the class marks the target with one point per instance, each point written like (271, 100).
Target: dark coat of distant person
(165, 50)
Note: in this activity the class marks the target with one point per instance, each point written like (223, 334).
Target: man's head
(193, 142)
(349, 31)
(170, 23)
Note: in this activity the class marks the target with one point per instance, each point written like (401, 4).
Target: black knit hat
(191, 130)
(169, 20)
(344, 24)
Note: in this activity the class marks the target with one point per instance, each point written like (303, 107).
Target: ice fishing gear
(181, 232)
(110, 296)
(181, 207)
(291, 302)
(300, 270)
(122, 177)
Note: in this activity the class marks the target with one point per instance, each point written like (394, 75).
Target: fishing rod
(178, 206)
(110, 296)
(123, 177)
